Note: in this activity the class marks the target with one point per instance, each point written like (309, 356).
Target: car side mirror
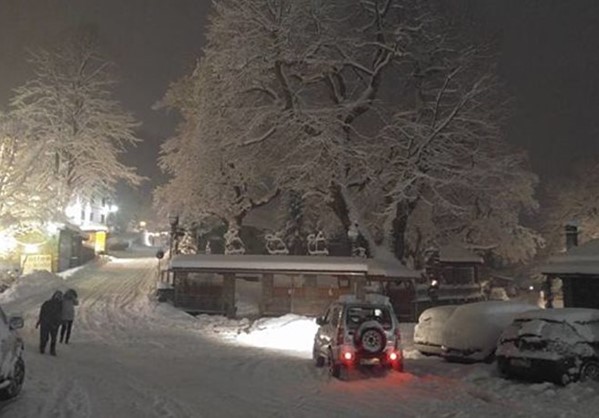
(15, 322)
(320, 321)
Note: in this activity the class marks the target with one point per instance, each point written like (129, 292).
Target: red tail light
(347, 356)
(393, 356)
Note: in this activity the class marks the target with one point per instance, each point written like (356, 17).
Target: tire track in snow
(112, 299)
(68, 400)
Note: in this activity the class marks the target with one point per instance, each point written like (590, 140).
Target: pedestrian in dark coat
(49, 320)
(69, 301)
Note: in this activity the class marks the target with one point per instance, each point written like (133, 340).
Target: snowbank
(289, 332)
(36, 283)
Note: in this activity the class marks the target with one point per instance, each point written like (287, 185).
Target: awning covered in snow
(390, 269)
(583, 259)
(289, 264)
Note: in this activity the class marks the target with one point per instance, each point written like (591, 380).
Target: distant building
(451, 276)
(578, 269)
(95, 216)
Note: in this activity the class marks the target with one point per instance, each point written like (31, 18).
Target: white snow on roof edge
(314, 264)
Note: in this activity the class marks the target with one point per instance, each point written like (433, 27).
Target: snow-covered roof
(291, 263)
(390, 268)
(90, 226)
(502, 277)
(280, 263)
(583, 259)
(457, 254)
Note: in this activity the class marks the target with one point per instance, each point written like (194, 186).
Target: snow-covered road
(132, 357)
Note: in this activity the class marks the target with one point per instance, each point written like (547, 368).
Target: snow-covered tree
(68, 106)
(446, 173)
(27, 190)
(271, 100)
(571, 199)
(374, 107)
(209, 178)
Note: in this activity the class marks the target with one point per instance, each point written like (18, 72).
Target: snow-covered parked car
(559, 345)
(472, 331)
(12, 365)
(428, 331)
(358, 333)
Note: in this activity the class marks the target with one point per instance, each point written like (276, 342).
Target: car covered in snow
(559, 345)
(471, 333)
(428, 331)
(354, 334)
(12, 365)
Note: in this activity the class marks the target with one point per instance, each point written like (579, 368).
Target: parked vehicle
(558, 345)
(12, 365)
(471, 333)
(358, 333)
(428, 331)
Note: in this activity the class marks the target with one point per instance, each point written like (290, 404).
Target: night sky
(549, 60)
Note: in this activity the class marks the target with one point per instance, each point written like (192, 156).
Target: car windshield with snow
(354, 334)
(472, 330)
(559, 345)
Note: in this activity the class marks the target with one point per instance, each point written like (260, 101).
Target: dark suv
(358, 333)
(12, 366)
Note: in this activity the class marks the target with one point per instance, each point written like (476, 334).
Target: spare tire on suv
(370, 338)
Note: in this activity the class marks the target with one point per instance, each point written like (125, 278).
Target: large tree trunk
(339, 206)
(399, 228)
(343, 206)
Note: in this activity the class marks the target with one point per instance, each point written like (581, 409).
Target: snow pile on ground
(36, 283)
(71, 272)
(289, 332)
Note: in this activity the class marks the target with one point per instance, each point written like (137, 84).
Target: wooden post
(176, 290)
(267, 281)
(229, 295)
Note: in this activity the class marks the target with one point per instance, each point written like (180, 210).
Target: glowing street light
(31, 248)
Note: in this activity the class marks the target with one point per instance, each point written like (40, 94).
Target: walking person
(69, 301)
(49, 320)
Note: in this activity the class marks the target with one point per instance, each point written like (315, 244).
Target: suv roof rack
(368, 298)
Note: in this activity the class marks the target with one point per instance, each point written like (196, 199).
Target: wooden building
(452, 276)
(289, 284)
(578, 269)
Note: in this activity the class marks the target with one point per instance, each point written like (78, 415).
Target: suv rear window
(355, 315)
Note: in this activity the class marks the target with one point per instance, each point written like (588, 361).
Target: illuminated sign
(32, 262)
